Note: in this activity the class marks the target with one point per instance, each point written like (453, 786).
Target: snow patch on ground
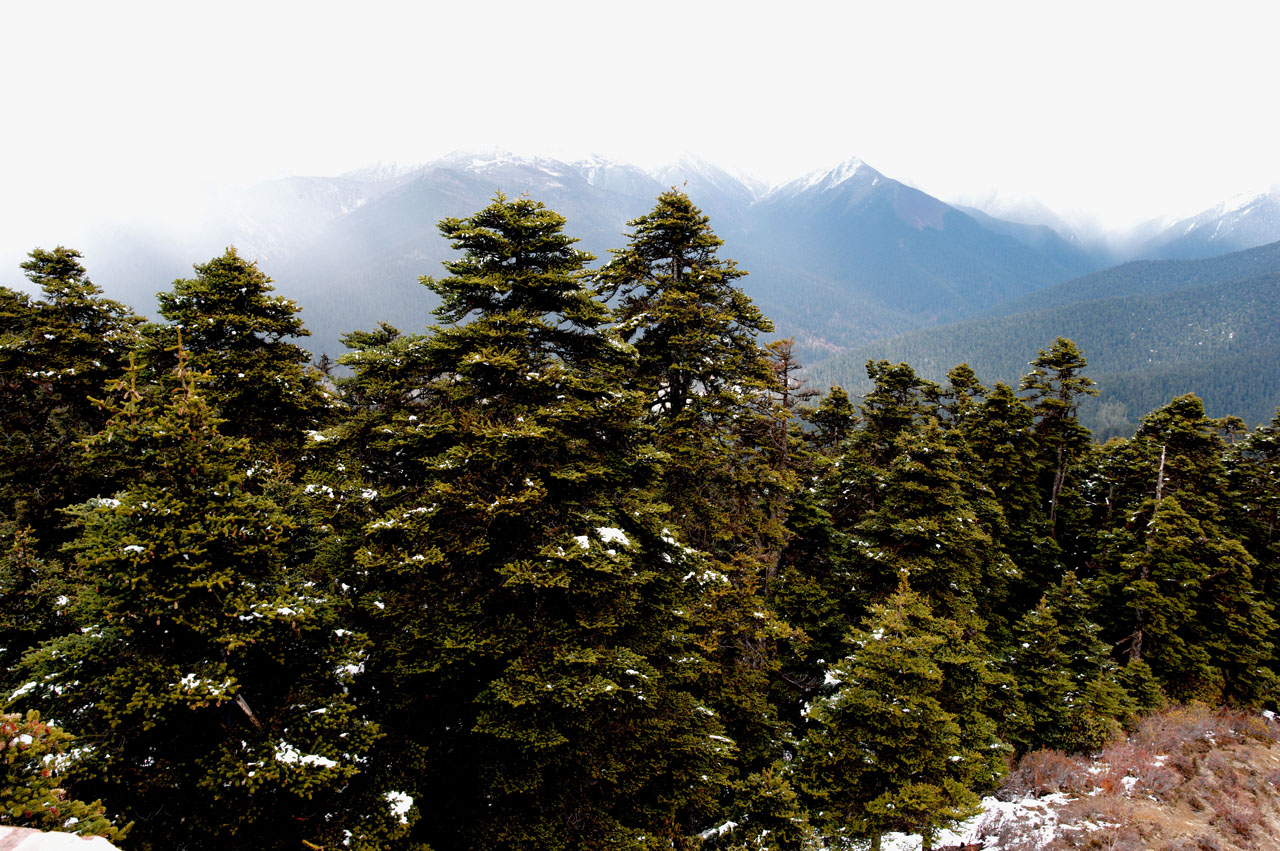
(1035, 814)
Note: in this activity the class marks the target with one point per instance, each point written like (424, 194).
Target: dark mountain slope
(1220, 340)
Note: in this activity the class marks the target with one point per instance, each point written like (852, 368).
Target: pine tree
(208, 676)
(901, 742)
(237, 331)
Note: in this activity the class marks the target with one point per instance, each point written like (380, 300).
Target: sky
(1120, 111)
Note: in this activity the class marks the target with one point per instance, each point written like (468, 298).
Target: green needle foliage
(34, 759)
(537, 653)
(234, 329)
(901, 741)
(206, 679)
(56, 355)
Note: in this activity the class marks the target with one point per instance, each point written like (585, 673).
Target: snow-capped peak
(831, 178)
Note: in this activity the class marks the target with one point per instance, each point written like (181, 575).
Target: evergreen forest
(589, 564)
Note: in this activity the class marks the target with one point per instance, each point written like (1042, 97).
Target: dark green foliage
(237, 332)
(833, 420)
(1178, 584)
(901, 742)
(34, 759)
(536, 644)
(933, 526)
(56, 355)
(206, 677)
(1054, 388)
(716, 399)
(1070, 694)
(33, 599)
(570, 579)
(1000, 433)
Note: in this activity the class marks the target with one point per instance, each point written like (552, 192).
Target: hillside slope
(1155, 337)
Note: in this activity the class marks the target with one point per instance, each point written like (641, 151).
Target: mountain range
(839, 259)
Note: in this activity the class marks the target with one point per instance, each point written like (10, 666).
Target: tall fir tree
(207, 679)
(1000, 433)
(56, 355)
(710, 392)
(1177, 587)
(537, 651)
(235, 329)
(1070, 691)
(1054, 388)
(901, 742)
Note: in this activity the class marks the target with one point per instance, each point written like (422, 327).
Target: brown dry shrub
(1158, 781)
(1208, 842)
(1238, 813)
(1015, 836)
(1110, 820)
(1177, 728)
(1045, 772)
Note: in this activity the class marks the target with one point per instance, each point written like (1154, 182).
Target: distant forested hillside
(1150, 331)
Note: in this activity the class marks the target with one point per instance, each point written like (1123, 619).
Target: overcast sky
(1123, 110)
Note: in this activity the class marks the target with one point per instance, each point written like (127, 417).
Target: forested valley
(589, 565)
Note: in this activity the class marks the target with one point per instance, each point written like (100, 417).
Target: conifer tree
(1178, 588)
(958, 400)
(1253, 513)
(536, 655)
(56, 355)
(33, 598)
(237, 331)
(1000, 433)
(939, 528)
(832, 420)
(1054, 387)
(709, 390)
(207, 678)
(34, 760)
(705, 378)
(1069, 688)
(900, 743)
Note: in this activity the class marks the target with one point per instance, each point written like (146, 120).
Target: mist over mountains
(839, 259)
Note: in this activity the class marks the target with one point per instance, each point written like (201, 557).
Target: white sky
(1123, 110)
